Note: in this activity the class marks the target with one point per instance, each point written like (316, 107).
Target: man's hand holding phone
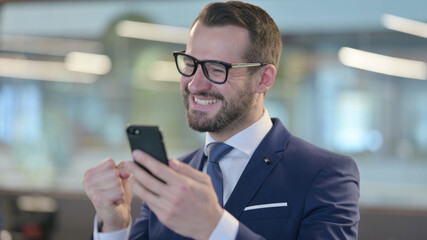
(182, 197)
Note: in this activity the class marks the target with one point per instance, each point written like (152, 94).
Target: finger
(160, 170)
(98, 195)
(145, 179)
(144, 193)
(125, 174)
(188, 171)
(107, 197)
(124, 169)
(102, 166)
(155, 202)
(105, 180)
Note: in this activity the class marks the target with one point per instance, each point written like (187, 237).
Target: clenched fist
(108, 187)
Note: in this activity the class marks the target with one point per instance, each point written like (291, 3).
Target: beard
(231, 110)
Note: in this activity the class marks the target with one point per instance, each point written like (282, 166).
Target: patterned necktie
(216, 151)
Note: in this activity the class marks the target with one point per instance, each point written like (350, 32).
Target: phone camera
(136, 131)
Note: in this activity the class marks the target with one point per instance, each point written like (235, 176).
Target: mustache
(204, 94)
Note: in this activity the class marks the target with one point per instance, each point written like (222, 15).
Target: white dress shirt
(232, 165)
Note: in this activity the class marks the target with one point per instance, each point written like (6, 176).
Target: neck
(237, 126)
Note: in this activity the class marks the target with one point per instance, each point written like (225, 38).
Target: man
(274, 185)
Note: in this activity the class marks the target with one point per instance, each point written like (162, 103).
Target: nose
(199, 82)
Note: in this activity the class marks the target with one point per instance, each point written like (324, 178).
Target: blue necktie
(216, 151)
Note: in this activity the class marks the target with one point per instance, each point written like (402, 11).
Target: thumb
(124, 169)
(125, 174)
(188, 171)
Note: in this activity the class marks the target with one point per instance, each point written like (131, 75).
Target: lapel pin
(267, 161)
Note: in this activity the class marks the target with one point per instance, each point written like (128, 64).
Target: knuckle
(177, 199)
(111, 174)
(169, 214)
(185, 188)
(88, 173)
(110, 162)
(87, 182)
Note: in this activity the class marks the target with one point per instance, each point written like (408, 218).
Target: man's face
(214, 107)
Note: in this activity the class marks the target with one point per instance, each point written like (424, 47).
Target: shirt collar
(247, 140)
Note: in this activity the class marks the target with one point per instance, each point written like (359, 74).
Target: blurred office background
(73, 74)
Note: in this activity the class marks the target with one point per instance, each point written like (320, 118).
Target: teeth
(205, 102)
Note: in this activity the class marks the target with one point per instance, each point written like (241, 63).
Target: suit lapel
(258, 169)
(198, 160)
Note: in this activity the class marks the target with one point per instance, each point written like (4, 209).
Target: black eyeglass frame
(205, 71)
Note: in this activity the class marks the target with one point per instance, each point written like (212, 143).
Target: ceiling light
(383, 64)
(405, 25)
(88, 63)
(41, 70)
(153, 32)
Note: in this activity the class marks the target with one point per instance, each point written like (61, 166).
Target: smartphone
(147, 139)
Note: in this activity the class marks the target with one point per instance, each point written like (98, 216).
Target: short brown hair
(265, 39)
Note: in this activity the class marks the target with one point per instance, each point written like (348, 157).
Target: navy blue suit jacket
(320, 189)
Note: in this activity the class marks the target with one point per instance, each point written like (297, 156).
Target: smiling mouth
(205, 102)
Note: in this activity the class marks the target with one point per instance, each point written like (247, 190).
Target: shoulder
(313, 155)
(311, 165)
(300, 156)
(300, 152)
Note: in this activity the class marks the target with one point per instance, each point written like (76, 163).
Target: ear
(266, 79)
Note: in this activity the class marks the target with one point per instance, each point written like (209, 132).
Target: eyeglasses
(215, 71)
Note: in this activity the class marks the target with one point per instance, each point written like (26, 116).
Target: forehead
(224, 43)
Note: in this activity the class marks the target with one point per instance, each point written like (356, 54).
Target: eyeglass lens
(215, 72)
